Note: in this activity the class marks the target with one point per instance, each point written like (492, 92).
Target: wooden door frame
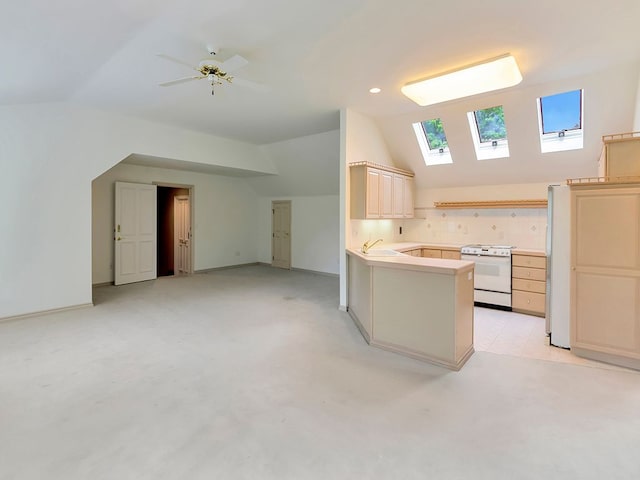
(192, 202)
(273, 204)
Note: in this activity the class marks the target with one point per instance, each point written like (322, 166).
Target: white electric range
(492, 278)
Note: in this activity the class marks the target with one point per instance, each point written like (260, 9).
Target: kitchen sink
(383, 253)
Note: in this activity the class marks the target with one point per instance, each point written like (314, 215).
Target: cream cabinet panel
(528, 283)
(431, 253)
(398, 195)
(386, 194)
(451, 254)
(612, 300)
(407, 207)
(529, 273)
(373, 193)
(605, 273)
(613, 240)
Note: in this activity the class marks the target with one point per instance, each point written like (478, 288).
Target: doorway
(281, 234)
(175, 246)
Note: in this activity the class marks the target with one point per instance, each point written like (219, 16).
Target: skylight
(489, 133)
(560, 119)
(433, 142)
(561, 112)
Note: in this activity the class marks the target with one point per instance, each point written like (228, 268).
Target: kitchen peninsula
(419, 307)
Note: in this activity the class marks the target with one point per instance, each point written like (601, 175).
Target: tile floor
(518, 335)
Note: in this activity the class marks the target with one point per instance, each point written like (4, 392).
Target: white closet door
(135, 233)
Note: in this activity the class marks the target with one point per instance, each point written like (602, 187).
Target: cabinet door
(373, 193)
(408, 197)
(605, 286)
(451, 254)
(386, 194)
(431, 253)
(398, 195)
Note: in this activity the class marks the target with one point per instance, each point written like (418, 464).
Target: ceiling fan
(214, 71)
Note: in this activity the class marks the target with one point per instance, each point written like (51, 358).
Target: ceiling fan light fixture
(485, 76)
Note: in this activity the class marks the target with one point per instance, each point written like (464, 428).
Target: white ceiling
(314, 57)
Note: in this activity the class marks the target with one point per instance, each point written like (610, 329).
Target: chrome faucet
(367, 246)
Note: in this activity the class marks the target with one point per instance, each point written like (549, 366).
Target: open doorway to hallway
(174, 231)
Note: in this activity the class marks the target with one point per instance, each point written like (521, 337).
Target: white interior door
(135, 233)
(281, 236)
(182, 233)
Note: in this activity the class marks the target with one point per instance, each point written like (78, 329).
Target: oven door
(491, 273)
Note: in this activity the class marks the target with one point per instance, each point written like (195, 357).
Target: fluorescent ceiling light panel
(486, 76)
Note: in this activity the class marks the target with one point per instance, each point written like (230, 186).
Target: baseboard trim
(317, 272)
(45, 312)
(102, 284)
(619, 360)
(226, 267)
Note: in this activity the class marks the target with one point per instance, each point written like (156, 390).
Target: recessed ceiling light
(374, 90)
(485, 76)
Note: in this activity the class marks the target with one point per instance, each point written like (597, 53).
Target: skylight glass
(434, 132)
(489, 133)
(561, 112)
(490, 124)
(561, 121)
(433, 142)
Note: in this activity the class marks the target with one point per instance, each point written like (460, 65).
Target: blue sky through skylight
(561, 112)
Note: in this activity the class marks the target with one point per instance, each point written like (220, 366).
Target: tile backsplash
(523, 228)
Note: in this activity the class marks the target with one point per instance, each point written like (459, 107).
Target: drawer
(529, 273)
(451, 254)
(527, 261)
(415, 252)
(431, 253)
(529, 285)
(528, 301)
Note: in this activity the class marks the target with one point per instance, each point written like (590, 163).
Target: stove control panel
(487, 250)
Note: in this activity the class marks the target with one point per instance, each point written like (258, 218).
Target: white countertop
(407, 262)
(403, 246)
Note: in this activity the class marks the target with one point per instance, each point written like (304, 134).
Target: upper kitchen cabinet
(620, 155)
(379, 191)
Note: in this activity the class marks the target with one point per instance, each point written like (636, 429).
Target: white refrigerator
(558, 250)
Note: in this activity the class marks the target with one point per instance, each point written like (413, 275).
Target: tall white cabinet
(379, 191)
(605, 273)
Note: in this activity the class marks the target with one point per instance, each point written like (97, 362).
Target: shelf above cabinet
(535, 203)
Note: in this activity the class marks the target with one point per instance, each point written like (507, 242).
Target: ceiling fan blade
(175, 60)
(258, 87)
(180, 80)
(234, 63)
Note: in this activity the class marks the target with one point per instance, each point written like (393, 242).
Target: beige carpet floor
(253, 373)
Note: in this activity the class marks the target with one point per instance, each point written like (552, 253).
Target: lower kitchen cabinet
(528, 284)
(431, 253)
(605, 273)
(451, 254)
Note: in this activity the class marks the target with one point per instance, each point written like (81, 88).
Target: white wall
(308, 176)
(314, 232)
(224, 227)
(306, 166)
(49, 155)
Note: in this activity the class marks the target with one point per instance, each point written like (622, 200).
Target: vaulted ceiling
(313, 58)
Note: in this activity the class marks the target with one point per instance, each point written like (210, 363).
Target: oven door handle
(485, 259)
